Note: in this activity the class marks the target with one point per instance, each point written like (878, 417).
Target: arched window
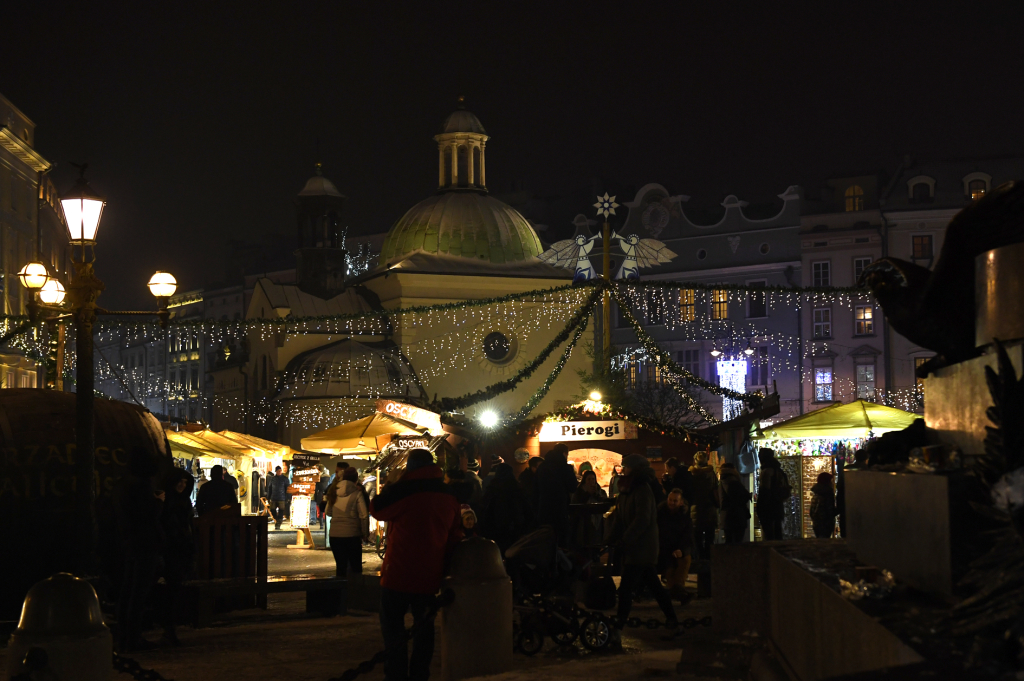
(854, 198)
(977, 189)
(921, 192)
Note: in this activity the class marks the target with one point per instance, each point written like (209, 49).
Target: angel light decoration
(640, 253)
(573, 253)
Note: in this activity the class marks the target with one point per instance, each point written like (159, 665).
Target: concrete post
(62, 617)
(476, 629)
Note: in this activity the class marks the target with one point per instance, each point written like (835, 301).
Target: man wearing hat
(635, 532)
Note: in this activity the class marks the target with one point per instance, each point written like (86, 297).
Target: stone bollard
(476, 629)
(61, 616)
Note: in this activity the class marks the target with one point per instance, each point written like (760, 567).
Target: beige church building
(458, 244)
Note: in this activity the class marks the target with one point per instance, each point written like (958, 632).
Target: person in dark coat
(735, 504)
(277, 488)
(555, 483)
(138, 508)
(635, 531)
(677, 477)
(505, 514)
(587, 526)
(823, 507)
(772, 492)
(704, 504)
(215, 494)
(424, 525)
(176, 520)
(461, 487)
(528, 477)
(675, 544)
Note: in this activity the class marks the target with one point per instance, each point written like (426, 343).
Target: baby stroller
(543, 581)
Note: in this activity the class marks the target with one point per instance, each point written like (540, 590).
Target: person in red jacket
(424, 525)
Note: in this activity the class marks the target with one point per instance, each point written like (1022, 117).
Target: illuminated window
(757, 304)
(823, 384)
(687, 305)
(865, 381)
(632, 372)
(922, 244)
(823, 322)
(719, 304)
(822, 273)
(859, 265)
(864, 320)
(977, 189)
(854, 198)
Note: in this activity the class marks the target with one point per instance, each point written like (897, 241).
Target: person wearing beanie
(735, 504)
(773, 490)
(823, 507)
(424, 525)
(635, 531)
(468, 522)
(473, 476)
(704, 504)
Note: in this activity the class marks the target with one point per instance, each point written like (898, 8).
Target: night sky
(201, 121)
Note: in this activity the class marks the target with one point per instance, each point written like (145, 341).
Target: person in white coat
(350, 522)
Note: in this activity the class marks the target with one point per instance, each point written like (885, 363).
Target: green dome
(469, 224)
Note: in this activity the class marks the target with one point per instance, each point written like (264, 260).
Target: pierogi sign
(574, 431)
(407, 412)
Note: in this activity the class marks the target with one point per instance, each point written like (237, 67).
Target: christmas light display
(732, 374)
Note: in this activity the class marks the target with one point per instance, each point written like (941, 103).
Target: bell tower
(461, 145)
(321, 265)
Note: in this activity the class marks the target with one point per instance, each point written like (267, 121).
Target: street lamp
(33, 276)
(52, 292)
(162, 285)
(83, 208)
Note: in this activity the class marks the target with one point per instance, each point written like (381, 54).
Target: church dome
(461, 120)
(318, 185)
(469, 224)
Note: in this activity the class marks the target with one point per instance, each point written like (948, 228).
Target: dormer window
(922, 189)
(976, 189)
(976, 185)
(854, 198)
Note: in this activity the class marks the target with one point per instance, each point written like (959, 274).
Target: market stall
(822, 441)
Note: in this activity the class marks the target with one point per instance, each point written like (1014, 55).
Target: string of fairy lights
(447, 338)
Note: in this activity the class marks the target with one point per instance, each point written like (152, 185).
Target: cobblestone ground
(284, 643)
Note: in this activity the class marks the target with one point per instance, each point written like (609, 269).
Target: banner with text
(574, 431)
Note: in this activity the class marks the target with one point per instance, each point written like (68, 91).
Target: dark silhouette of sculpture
(935, 308)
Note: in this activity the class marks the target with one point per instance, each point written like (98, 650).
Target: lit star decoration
(606, 205)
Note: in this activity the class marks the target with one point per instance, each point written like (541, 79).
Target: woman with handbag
(350, 522)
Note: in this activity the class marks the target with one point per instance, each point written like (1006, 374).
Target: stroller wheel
(568, 636)
(530, 641)
(596, 633)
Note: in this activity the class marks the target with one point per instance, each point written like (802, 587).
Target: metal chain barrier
(126, 665)
(445, 598)
(688, 623)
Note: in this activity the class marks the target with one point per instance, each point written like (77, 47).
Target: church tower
(321, 265)
(460, 149)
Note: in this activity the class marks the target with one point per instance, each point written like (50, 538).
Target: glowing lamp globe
(716, 353)
(33, 276)
(749, 351)
(489, 419)
(52, 292)
(595, 396)
(162, 285)
(83, 208)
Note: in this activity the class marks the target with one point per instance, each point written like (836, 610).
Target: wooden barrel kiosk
(38, 484)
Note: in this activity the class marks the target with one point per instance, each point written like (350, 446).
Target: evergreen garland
(532, 403)
(665, 361)
(495, 389)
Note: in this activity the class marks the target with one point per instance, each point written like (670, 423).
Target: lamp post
(83, 209)
(606, 206)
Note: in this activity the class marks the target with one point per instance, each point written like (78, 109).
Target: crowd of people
(651, 529)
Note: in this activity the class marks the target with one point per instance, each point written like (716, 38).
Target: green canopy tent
(858, 419)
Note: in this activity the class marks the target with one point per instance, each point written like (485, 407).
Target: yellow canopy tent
(258, 445)
(856, 419)
(202, 443)
(359, 436)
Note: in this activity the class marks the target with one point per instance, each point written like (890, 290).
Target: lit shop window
(823, 322)
(823, 384)
(719, 304)
(864, 320)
